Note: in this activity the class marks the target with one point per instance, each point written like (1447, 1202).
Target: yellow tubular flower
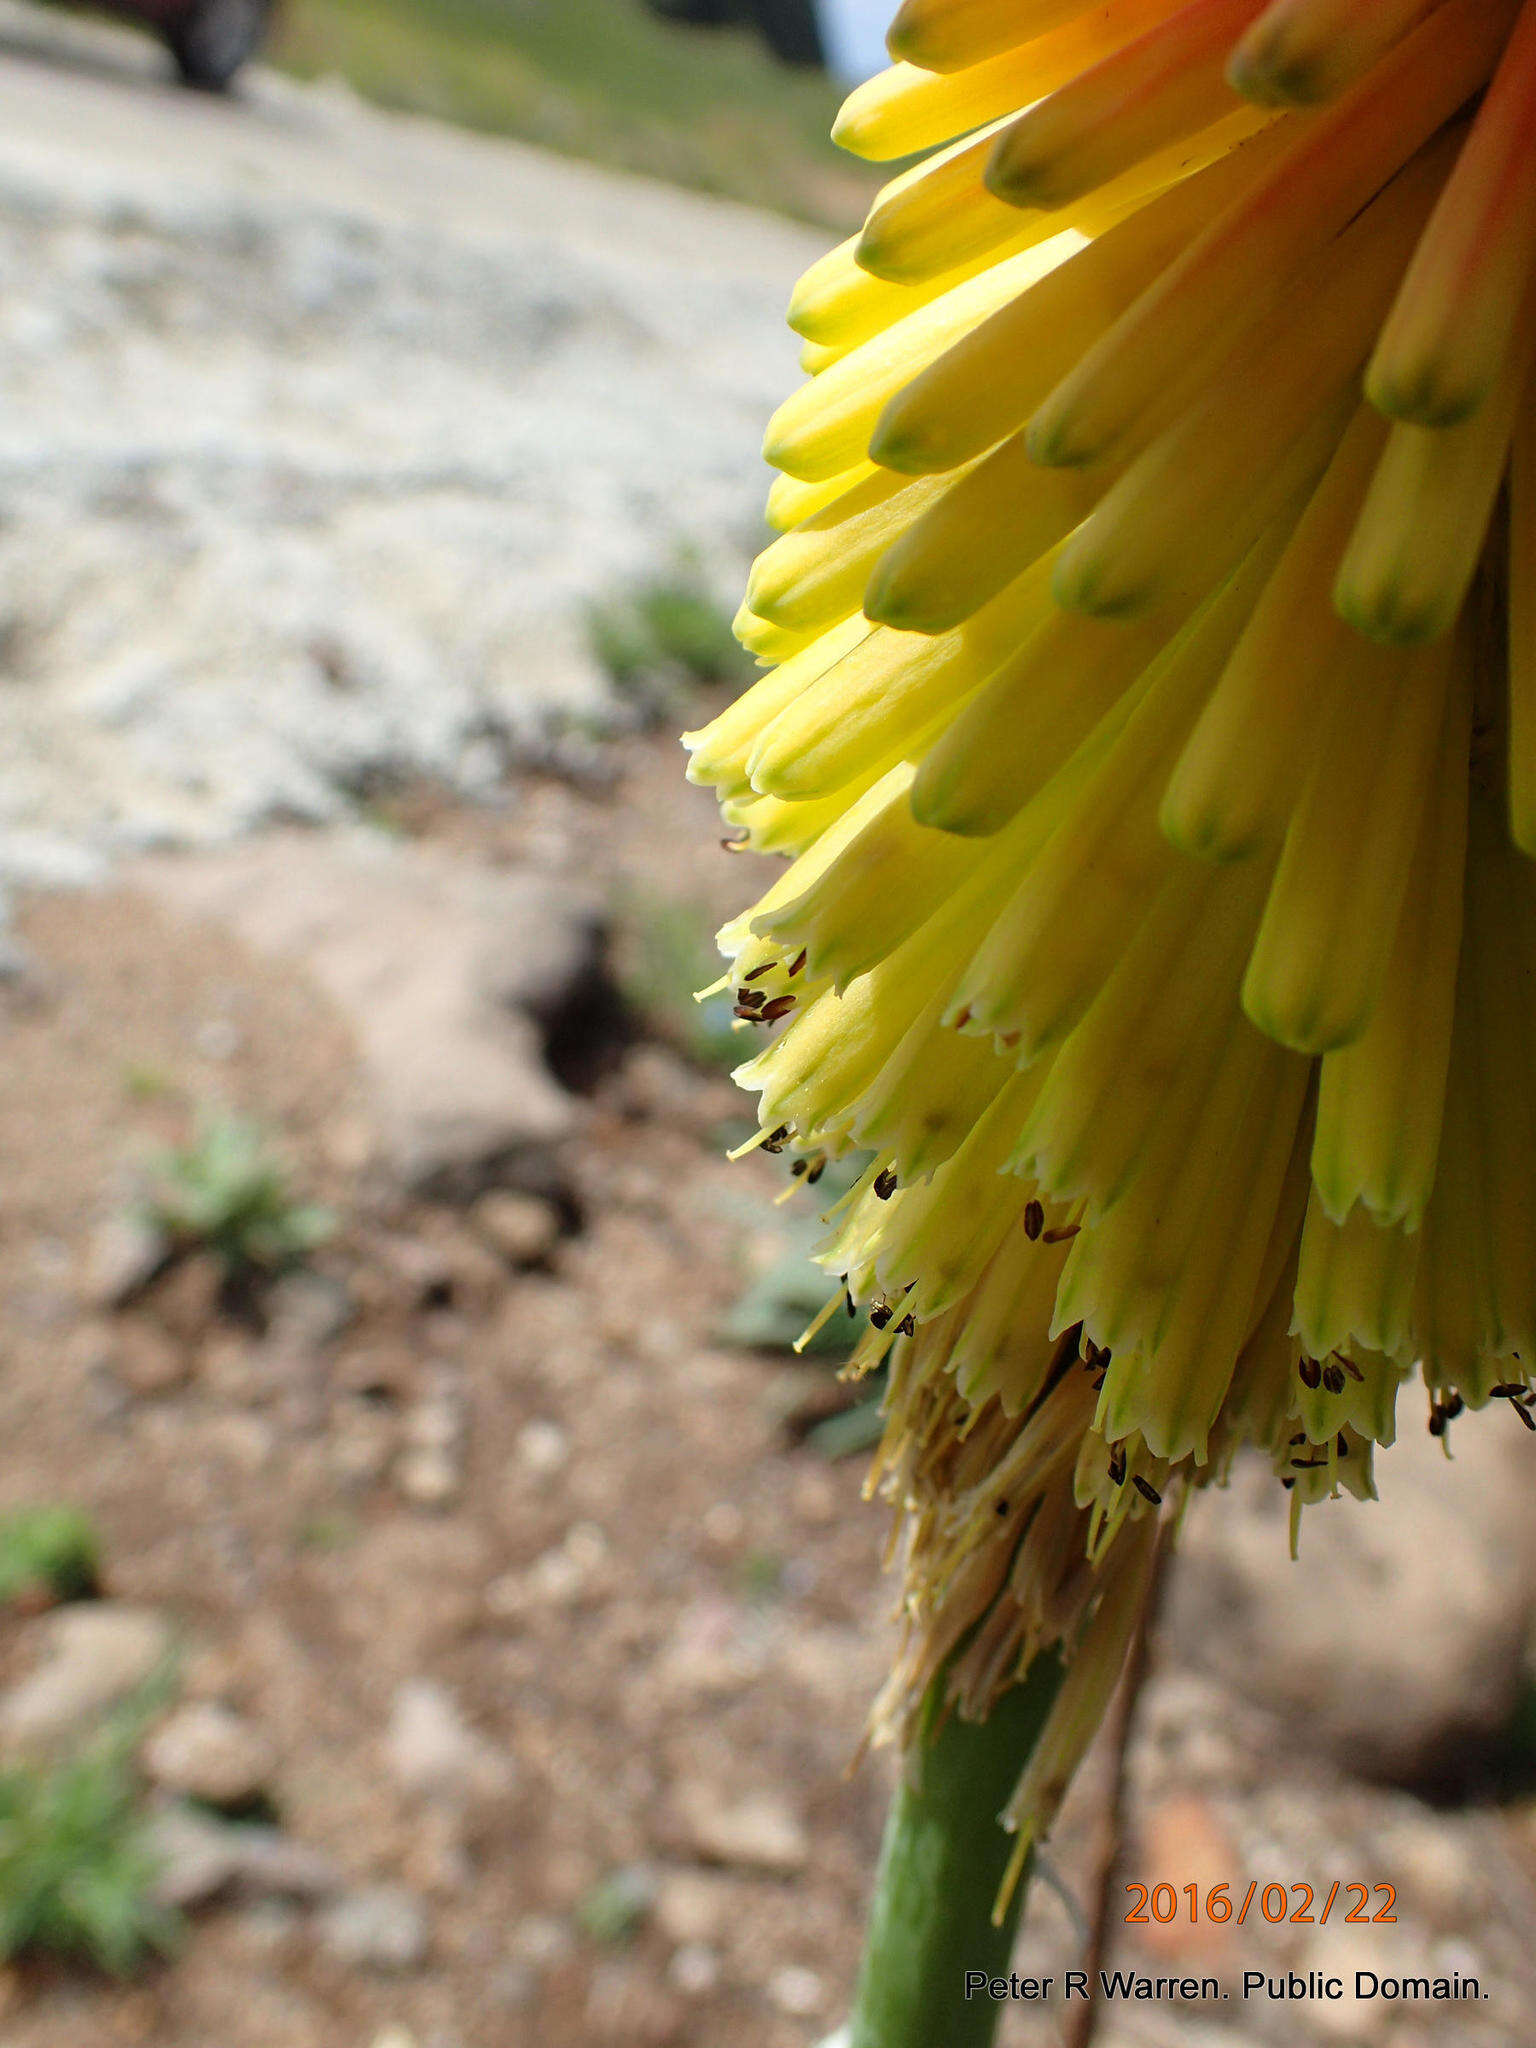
(1153, 736)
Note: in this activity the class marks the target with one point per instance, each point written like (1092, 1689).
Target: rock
(797, 1991)
(570, 1572)
(434, 1754)
(198, 1857)
(186, 1300)
(760, 1831)
(435, 1422)
(694, 1970)
(524, 1229)
(624, 2005)
(205, 1751)
(692, 1906)
(542, 1941)
(127, 1251)
(148, 1360)
(95, 1656)
(305, 1312)
(362, 1443)
(429, 1476)
(447, 974)
(1398, 1640)
(542, 1448)
(378, 1927)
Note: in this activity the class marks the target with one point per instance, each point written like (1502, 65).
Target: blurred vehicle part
(791, 28)
(209, 39)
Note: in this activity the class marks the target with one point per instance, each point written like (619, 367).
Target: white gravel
(320, 427)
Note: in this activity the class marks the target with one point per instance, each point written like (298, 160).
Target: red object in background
(209, 39)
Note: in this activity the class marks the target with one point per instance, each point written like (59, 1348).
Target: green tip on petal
(1271, 79)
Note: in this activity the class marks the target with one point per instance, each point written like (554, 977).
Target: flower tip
(1024, 169)
(1292, 1009)
(888, 601)
(784, 450)
(941, 804)
(1267, 69)
(1054, 439)
(906, 39)
(883, 257)
(1191, 827)
(895, 445)
(1383, 610)
(1423, 395)
(861, 128)
(1082, 583)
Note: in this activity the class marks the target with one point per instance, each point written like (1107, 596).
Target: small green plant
(227, 1193)
(46, 1554)
(77, 1872)
(615, 1908)
(665, 638)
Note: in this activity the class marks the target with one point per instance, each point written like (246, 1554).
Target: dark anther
(1148, 1491)
(1436, 1422)
(1524, 1414)
(758, 972)
(796, 964)
(798, 1168)
(1060, 1234)
(1452, 1407)
(1034, 1220)
(1343, 1443)
(814, 1173)
(881, 1314)
(736, 845)
(1117, 1465)
(1351, 1368)
(885, 1183)
(1333, 1379)
(781, 1006)
(907, 1327)
(1311, 1373)
(1288, 1484)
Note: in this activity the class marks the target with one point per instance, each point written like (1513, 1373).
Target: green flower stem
(941, 1864)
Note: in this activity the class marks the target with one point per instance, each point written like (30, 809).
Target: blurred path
(321, 426)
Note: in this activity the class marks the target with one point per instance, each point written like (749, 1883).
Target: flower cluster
(1151, 726)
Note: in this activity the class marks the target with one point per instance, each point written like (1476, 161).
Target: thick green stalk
(941, 1864)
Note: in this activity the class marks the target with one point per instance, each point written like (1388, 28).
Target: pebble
(797, 1991)
(205, 1751)
(542, 1448)
(378, 1927)
(760, 1831)
(306, 1311)
(94, 1656)
(148, 1360)
(692, 1906)
(541, 1940)
(127, 1250)
(524, 1229)
(198, 1856)
(694, 1970)
(428, 1476)
(434, 1754)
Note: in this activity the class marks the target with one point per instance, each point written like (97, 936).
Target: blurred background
(436, 1608)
